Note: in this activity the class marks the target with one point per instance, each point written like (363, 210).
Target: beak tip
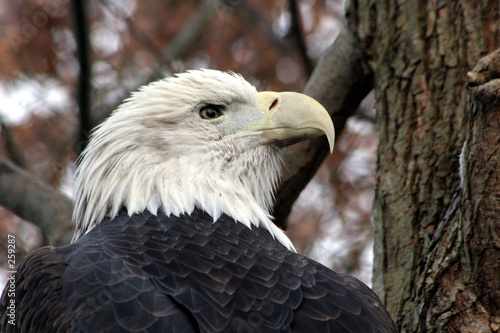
(331, 141)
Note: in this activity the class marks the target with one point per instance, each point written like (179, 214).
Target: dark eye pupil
(210, 112)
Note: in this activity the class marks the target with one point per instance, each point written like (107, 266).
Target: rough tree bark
(437, 247)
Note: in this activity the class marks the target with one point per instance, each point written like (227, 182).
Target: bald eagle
(173, 225)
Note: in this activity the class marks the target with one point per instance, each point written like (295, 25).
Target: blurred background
(50, 48)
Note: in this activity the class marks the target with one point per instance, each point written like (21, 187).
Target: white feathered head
(202, 139)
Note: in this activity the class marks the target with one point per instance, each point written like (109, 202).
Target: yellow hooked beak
(290, 117)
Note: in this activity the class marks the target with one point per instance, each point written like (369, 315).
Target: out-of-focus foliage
(135, 41)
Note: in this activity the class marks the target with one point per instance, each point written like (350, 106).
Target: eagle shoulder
(37, 284)
(155, 273)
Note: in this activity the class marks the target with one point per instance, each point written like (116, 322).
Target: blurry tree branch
(260, 23)
(185, 38)
(83, 56)
(10, 144)
(179, 45)
(339, 82)
(297, 33)
(30, 199)
(134, 30)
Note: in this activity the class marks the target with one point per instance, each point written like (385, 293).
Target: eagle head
(202, 139)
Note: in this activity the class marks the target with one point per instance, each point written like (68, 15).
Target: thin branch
(31, 200)
(297, 33)
(10, 144)
(176, 48)
(339, 82)
(84, 86)
(134, 30)
(258, 22)
(185, 38)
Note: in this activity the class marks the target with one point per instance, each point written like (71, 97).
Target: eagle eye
(210, 111)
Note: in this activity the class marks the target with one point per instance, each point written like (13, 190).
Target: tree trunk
(437, 242)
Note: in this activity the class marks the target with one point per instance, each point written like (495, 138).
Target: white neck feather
(137, 180)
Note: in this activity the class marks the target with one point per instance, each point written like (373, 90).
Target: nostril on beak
(273, 104)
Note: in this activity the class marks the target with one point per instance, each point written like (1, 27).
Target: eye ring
(210, 111)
